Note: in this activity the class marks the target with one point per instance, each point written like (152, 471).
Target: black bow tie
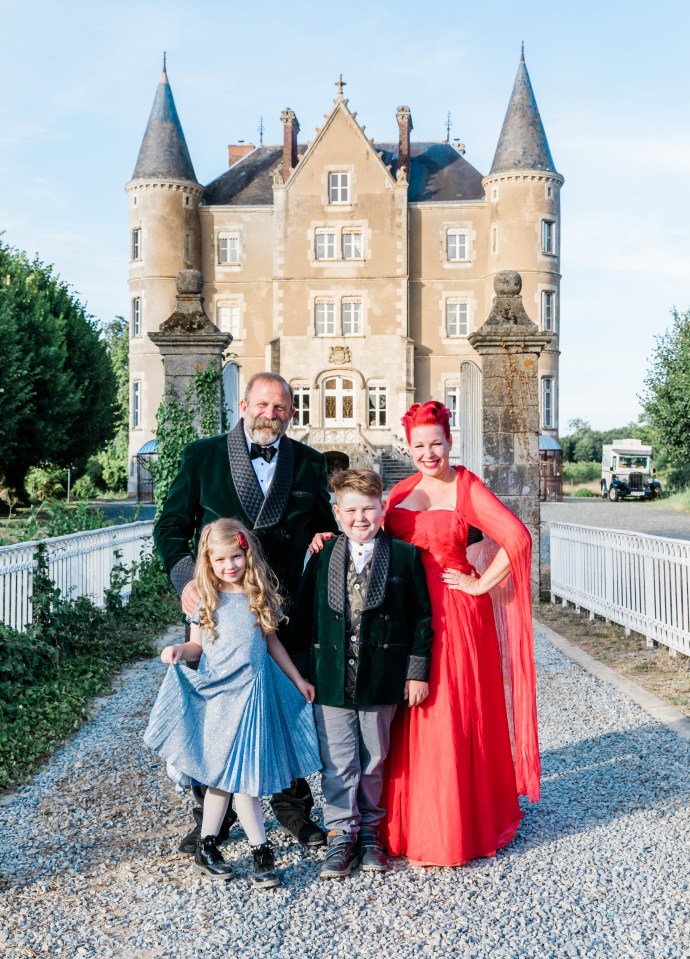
(265, 452)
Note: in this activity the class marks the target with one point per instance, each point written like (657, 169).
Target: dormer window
(338, 187)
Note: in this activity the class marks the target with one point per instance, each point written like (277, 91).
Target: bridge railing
(79, 564)
(641, 582)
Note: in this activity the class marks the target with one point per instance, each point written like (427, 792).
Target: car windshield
(633, 462)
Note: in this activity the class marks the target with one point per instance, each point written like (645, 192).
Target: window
(352, 245)
(548, 237)
(548, 310)
(494, 239)
(352, 317)
(188, 246)
(548, 406)
(187, 201)
(456, 245)
(136, 244)
(229, 248)
(339, 401)
(324, 311)
(453, 404)
(228, 318)
(457, 322)
(338, 187)
(135, 326)
(377, 404)
(136, 405)
(325, 245)
(301, 397)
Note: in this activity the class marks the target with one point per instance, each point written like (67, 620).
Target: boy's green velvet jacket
(395, 630)
(216, 479)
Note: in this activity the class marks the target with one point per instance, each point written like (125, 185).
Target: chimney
(238, 150)
(404, 118)
(290, 131)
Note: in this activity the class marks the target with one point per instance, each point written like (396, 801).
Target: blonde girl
(242, 722)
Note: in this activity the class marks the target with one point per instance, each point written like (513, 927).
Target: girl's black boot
(265, 874)
(208, 860)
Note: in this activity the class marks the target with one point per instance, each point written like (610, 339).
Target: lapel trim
(273, 506)
(380, 566)
(242, 473)
(337, 575)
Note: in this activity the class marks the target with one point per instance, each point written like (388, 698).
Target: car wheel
(613, 495)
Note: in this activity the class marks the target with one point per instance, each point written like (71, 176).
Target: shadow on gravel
(596, 782)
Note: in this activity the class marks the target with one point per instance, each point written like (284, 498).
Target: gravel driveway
(601, 866)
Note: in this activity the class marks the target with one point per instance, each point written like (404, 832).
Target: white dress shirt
(361, 553)
(264, 471)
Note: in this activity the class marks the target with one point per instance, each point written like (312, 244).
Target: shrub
(46, 482)
(84, 488)
(585, 472)
(583, 491)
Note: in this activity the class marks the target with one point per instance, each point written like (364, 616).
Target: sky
(611, 78)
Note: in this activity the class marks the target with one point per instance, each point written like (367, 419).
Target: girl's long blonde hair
(259, 583)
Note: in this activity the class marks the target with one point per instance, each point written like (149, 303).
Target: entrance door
(338, 401)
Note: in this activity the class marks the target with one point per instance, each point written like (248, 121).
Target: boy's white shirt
(361, 553)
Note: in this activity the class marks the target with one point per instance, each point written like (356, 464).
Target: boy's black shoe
(341, 857)
(265, 874)
(371, 854)
(208, 860)
(189, 842)
(305, 832)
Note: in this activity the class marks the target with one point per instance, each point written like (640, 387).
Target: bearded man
(278, 488)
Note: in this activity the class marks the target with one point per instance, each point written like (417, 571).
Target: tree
(59, 386)
(113, 460)
(667, 397)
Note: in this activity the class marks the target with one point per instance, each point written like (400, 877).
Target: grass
(653, 669)
(677, 501)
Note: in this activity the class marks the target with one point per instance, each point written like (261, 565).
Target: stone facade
(358, 270)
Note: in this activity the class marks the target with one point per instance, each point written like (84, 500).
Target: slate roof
(522, 144)
(163, 154)
(437, 173)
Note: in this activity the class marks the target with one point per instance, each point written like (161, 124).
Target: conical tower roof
(522, 144)
(163, 154)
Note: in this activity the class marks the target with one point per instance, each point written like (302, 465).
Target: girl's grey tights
(248, 809)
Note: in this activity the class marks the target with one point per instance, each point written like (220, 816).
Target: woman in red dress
(459, 761)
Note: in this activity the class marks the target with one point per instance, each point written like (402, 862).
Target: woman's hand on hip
(464, 582)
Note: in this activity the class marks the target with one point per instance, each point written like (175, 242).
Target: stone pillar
(510, 345)
(188, 341)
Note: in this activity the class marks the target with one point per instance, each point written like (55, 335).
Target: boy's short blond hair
(363, 481)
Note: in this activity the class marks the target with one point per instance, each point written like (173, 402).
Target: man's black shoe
(208, 860)
(305, 832)
(265, 875)
(341, 857)
(188, 844)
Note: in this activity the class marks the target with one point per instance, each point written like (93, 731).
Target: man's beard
(263, 431)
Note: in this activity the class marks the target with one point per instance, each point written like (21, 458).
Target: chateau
(353, 268)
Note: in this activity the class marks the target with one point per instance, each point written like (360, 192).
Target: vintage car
(626, 471)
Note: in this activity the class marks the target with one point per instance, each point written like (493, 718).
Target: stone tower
(524, 226)
(164, 239)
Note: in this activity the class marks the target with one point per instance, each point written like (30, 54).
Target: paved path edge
(661, 712)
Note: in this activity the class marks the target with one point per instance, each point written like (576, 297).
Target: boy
(364, 606)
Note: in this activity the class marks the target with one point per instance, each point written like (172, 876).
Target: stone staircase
(393, 470)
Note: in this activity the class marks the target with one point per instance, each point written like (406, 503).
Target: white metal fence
(639, 581)
(79, 564)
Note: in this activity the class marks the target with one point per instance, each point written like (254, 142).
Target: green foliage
(50, 674)
(575, 473)
(84, 488)
(113, 460)
(583, 491)
(584, 444)
(52, 519)
(46, 482)
(667, 397)
(58, 387)
(181, 422)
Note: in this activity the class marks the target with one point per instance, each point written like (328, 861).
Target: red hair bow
(242, 541)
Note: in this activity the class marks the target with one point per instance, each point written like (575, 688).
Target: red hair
(431, 413)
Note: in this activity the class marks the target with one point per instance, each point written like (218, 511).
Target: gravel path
(601, 867)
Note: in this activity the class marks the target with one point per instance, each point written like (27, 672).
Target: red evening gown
(453, 776)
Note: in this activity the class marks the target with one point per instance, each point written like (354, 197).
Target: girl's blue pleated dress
(236, 723)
